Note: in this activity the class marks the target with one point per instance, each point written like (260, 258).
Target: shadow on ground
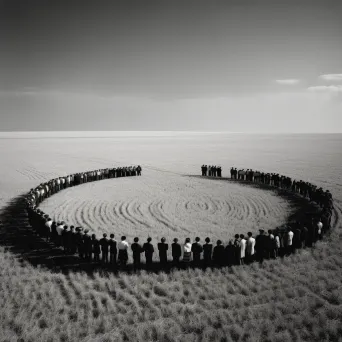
(19, 238)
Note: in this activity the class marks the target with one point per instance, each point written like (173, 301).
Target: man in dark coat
(230, 254)
(87, 245)
(137, 250)
(261, 245)
(139, 170)
(72, 240)
(112, 249)
(104, 248)
(95, 247)
(79, 242)
(196, 250)
(176, 251)
(304, 236)
(163, 248)
(218, 254)
(65, 234)
(237, 247)
(149, 250)
(207, 251)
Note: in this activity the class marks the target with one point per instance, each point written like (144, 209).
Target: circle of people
(240, 250)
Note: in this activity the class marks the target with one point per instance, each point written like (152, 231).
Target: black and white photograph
(170, 170)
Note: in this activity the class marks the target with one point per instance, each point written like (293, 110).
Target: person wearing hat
(196, 249)
(104, 248)
(163, 248)
(137, 250)
(149, 250)
(176, 251)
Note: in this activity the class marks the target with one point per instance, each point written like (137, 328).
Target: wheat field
(297, 298)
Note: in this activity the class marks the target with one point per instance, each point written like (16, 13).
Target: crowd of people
(306, 189)
(211, 170)
(44, 190)
(243, 249)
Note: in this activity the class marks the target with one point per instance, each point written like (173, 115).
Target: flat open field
(294, 299)
(163, 204)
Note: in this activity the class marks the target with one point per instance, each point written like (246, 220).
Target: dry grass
(293, 299)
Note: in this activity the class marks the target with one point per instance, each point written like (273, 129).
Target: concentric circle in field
(160, 204)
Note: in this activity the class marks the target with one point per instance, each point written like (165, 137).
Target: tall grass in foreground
(295, 299)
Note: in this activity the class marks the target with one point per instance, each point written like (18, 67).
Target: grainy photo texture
(170, 170)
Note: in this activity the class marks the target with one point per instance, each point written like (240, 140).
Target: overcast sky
(246, 66)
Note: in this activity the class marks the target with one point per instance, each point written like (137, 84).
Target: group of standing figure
(73, 240)
(240, 250)
(306, 189)
(211, 170)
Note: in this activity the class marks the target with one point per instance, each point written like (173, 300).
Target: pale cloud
(330, 88)
(290, 81)
(331, 77)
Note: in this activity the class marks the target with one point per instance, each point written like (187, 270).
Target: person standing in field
(65, 239)
(319, 229)
(219, 254)
(196, 250)
(176, 251)
(187, 251)
(95, 248)
(54, 231)
(79, 242)
(123, 254)
(237, 249)
(270, 244)
(104, 248)
(72, 240)
(250, 248)
(260, 245)
(277, 243)
(230, 253)
(137, 250)
(87, 245)
(242, 249)
(304, 236)
(289, 243)
(163, 248)
(207, 251)
(296, 237)
(149, 250)
(112, 249)
(219, 171)
(48, 225)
